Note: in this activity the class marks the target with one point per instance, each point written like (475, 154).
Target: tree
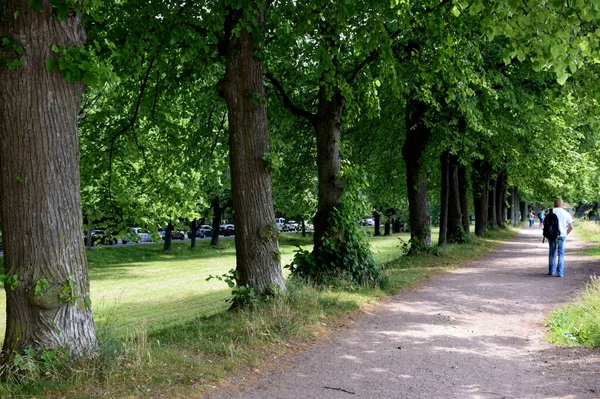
(46, 281)
(257, 247)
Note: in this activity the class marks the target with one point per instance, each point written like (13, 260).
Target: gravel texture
(475, 332)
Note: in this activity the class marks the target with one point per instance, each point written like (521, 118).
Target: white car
(291, 225)
(137, 234)
(279, 223)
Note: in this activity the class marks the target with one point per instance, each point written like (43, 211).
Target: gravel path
(475, 332)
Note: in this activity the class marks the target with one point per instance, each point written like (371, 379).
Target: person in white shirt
(565, 225)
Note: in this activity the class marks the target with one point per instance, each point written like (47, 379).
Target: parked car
(279, 222)
(175, 234)
(204, 231)
(368, 222)
(290, 225)
(137, 234)
(227, 230)
(101, 237)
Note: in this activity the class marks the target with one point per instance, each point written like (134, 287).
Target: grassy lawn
(143, 285)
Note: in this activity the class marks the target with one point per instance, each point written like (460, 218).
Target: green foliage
(344, 255)
(241, 295)
(33, 367)
(9, 49)
(68, 293)
(79, 64)
(40, 286)
(11, 281)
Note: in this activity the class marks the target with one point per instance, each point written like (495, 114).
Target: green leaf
(90, 79)
(51, 64)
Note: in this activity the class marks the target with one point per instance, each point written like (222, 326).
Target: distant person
(565, 225)
(531, 218)
(541, 216)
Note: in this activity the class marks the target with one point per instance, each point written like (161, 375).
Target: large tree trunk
(445, 172)
(480, 178)
(327, 126)
(216, 222)
(40, 203)
(256, 241)
(455, 229)
(417, 136)
(464, 199)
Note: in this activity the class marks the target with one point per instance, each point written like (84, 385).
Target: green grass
(163, 331)
(143, 285)
(578, 323)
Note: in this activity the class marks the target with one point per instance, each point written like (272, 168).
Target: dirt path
(476, 332)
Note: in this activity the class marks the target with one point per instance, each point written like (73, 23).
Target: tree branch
(287, 102)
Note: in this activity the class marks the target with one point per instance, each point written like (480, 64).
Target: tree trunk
(514, 206)
(168, 237)
(377, 223)
(386, 228)
(256, 241)
(40, 196)
(216, 222)
(417, 136)
(444, 165)
(455, 230)
(327, 127)
(523, 206)
(193, 227)
(464, 199)
(501, 199)
(492, 214)
(396, 226)
(480, 178)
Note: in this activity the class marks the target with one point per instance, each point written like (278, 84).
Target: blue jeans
(560, 245)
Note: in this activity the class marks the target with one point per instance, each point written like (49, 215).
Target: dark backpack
(551, 230)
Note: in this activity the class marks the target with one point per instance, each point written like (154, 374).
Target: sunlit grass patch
(579, 322)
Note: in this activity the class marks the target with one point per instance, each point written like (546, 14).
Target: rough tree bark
(40, 203)
(480, 178)
(417, 136)
(256, 241)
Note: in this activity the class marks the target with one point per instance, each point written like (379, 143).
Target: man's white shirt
(564, 219)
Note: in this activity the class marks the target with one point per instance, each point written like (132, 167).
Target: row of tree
(384, 105)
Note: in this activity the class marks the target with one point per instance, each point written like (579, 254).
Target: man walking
(565, 225)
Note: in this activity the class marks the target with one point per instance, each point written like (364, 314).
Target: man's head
(558, 203)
